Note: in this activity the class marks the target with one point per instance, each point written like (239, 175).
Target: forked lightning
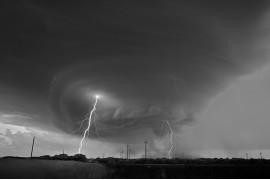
(89, 122)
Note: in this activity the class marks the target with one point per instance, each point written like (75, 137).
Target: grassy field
(188, 171)
(31, 168)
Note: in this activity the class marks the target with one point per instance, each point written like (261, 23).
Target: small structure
(145, 150)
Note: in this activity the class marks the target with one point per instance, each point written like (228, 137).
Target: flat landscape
(34, 168)
(134, 89)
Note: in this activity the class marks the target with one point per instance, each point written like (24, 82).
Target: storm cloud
(149, 60)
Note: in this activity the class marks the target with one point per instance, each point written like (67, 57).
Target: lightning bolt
(89, 123)
(171, 139)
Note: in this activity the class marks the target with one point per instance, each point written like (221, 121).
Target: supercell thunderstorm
(169, 82)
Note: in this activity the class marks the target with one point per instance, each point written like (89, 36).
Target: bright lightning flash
(171, 139)
(89, 122)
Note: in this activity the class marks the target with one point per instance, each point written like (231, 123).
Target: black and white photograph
(134, 89)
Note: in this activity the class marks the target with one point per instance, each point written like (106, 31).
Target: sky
(196, 68)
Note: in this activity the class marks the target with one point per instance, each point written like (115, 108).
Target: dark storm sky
(150, 60)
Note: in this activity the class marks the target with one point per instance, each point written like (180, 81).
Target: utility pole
(32, 146)
(127, 151)
(145, 150)
(261, 155)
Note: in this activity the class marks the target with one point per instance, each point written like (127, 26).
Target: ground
(33, 168)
